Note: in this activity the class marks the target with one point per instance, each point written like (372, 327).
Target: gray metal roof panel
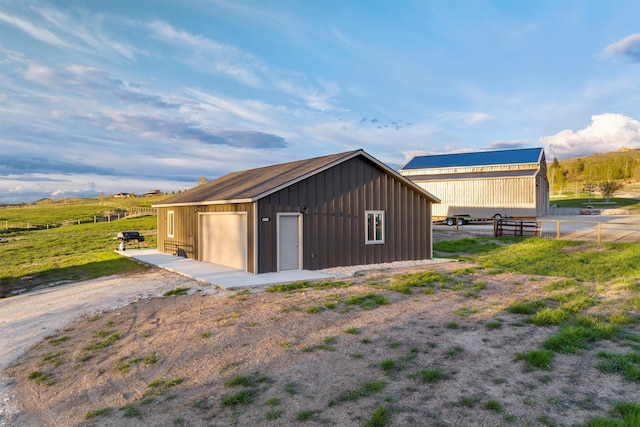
(479, 158)
(253, 184)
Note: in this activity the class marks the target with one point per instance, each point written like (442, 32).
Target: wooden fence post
(599, 232)
(558, 230)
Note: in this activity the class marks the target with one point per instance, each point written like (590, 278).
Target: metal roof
(479, 158)
(251, 185)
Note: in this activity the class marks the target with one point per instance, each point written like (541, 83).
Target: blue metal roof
(481, 158)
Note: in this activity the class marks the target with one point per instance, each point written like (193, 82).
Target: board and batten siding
(333, 203)
(485, 197)
(185, 239)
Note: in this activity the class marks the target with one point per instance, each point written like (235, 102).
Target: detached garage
(337, 210)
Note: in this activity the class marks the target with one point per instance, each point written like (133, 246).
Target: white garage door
(223, 239)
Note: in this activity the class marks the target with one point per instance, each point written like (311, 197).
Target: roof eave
(204, 203)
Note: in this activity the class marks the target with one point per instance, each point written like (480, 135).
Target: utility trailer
(464, 219)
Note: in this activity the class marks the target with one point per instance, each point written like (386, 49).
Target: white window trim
(368, 239)
(171, 223)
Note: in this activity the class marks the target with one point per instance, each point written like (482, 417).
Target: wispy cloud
(85, 34)
(88, 33)
(628, 46)
(508, 145)
(212, 57)
(37, 32)
(462, 117)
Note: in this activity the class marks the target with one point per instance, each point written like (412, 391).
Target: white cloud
(607, 132)
(467, 118)
(39, 74)
(628, 46)
(209, 55)
(34, 31)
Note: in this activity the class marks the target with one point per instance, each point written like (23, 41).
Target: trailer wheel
(497, 217)
(461, 221)
(451, 222)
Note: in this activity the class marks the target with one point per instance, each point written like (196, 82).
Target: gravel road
(27, 319)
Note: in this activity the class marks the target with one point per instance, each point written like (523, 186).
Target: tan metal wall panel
(185, 239)
(485, 197)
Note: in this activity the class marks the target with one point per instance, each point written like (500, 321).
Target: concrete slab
(218, 275)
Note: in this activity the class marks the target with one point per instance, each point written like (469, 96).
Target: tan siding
(484, 197)
(185, 239)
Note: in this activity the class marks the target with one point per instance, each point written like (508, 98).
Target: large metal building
(484, 184)
(337, 210)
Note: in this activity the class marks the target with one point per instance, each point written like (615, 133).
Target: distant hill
(620, 166)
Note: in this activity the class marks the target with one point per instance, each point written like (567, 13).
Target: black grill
(128, 236)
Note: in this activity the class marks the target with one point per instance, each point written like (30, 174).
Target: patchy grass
(131, 411)
(626, 364)
(298, 286)
(526, 307)
(365, 390)
(160, 386)
(97, 413)
(57, 340)
(51, 358)
(541, 359)
(493, 325)
(96, 345)
(405, 283)
(578, 335)
(243, 397)
(125, 367)
(431, 376)
(246, 380)
(176, 291)
(44, 378)
(381, 417)
(467, 246)
(367, 301)
(623, 414)
(493, 405)
(580, 261)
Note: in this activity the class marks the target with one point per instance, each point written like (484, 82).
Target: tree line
(603, 173)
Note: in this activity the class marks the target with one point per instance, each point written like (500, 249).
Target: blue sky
(107, 96)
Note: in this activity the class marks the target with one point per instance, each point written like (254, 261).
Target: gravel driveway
(27, 319)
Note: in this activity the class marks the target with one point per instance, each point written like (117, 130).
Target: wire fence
(597, 229)
(135, 212)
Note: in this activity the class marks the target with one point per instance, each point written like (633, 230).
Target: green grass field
(31, 258)
(596, 202)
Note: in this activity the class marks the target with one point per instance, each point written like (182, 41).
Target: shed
(484, 184)
(337, 210)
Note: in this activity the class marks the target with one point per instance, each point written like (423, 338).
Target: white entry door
(223, 239)
(289, 241)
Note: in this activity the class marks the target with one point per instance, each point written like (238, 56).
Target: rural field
(511, 332)
(520, 332)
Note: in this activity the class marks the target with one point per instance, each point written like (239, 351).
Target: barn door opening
(289, 241)
(223, 239)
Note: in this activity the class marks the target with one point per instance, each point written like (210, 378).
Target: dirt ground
(306, 358)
